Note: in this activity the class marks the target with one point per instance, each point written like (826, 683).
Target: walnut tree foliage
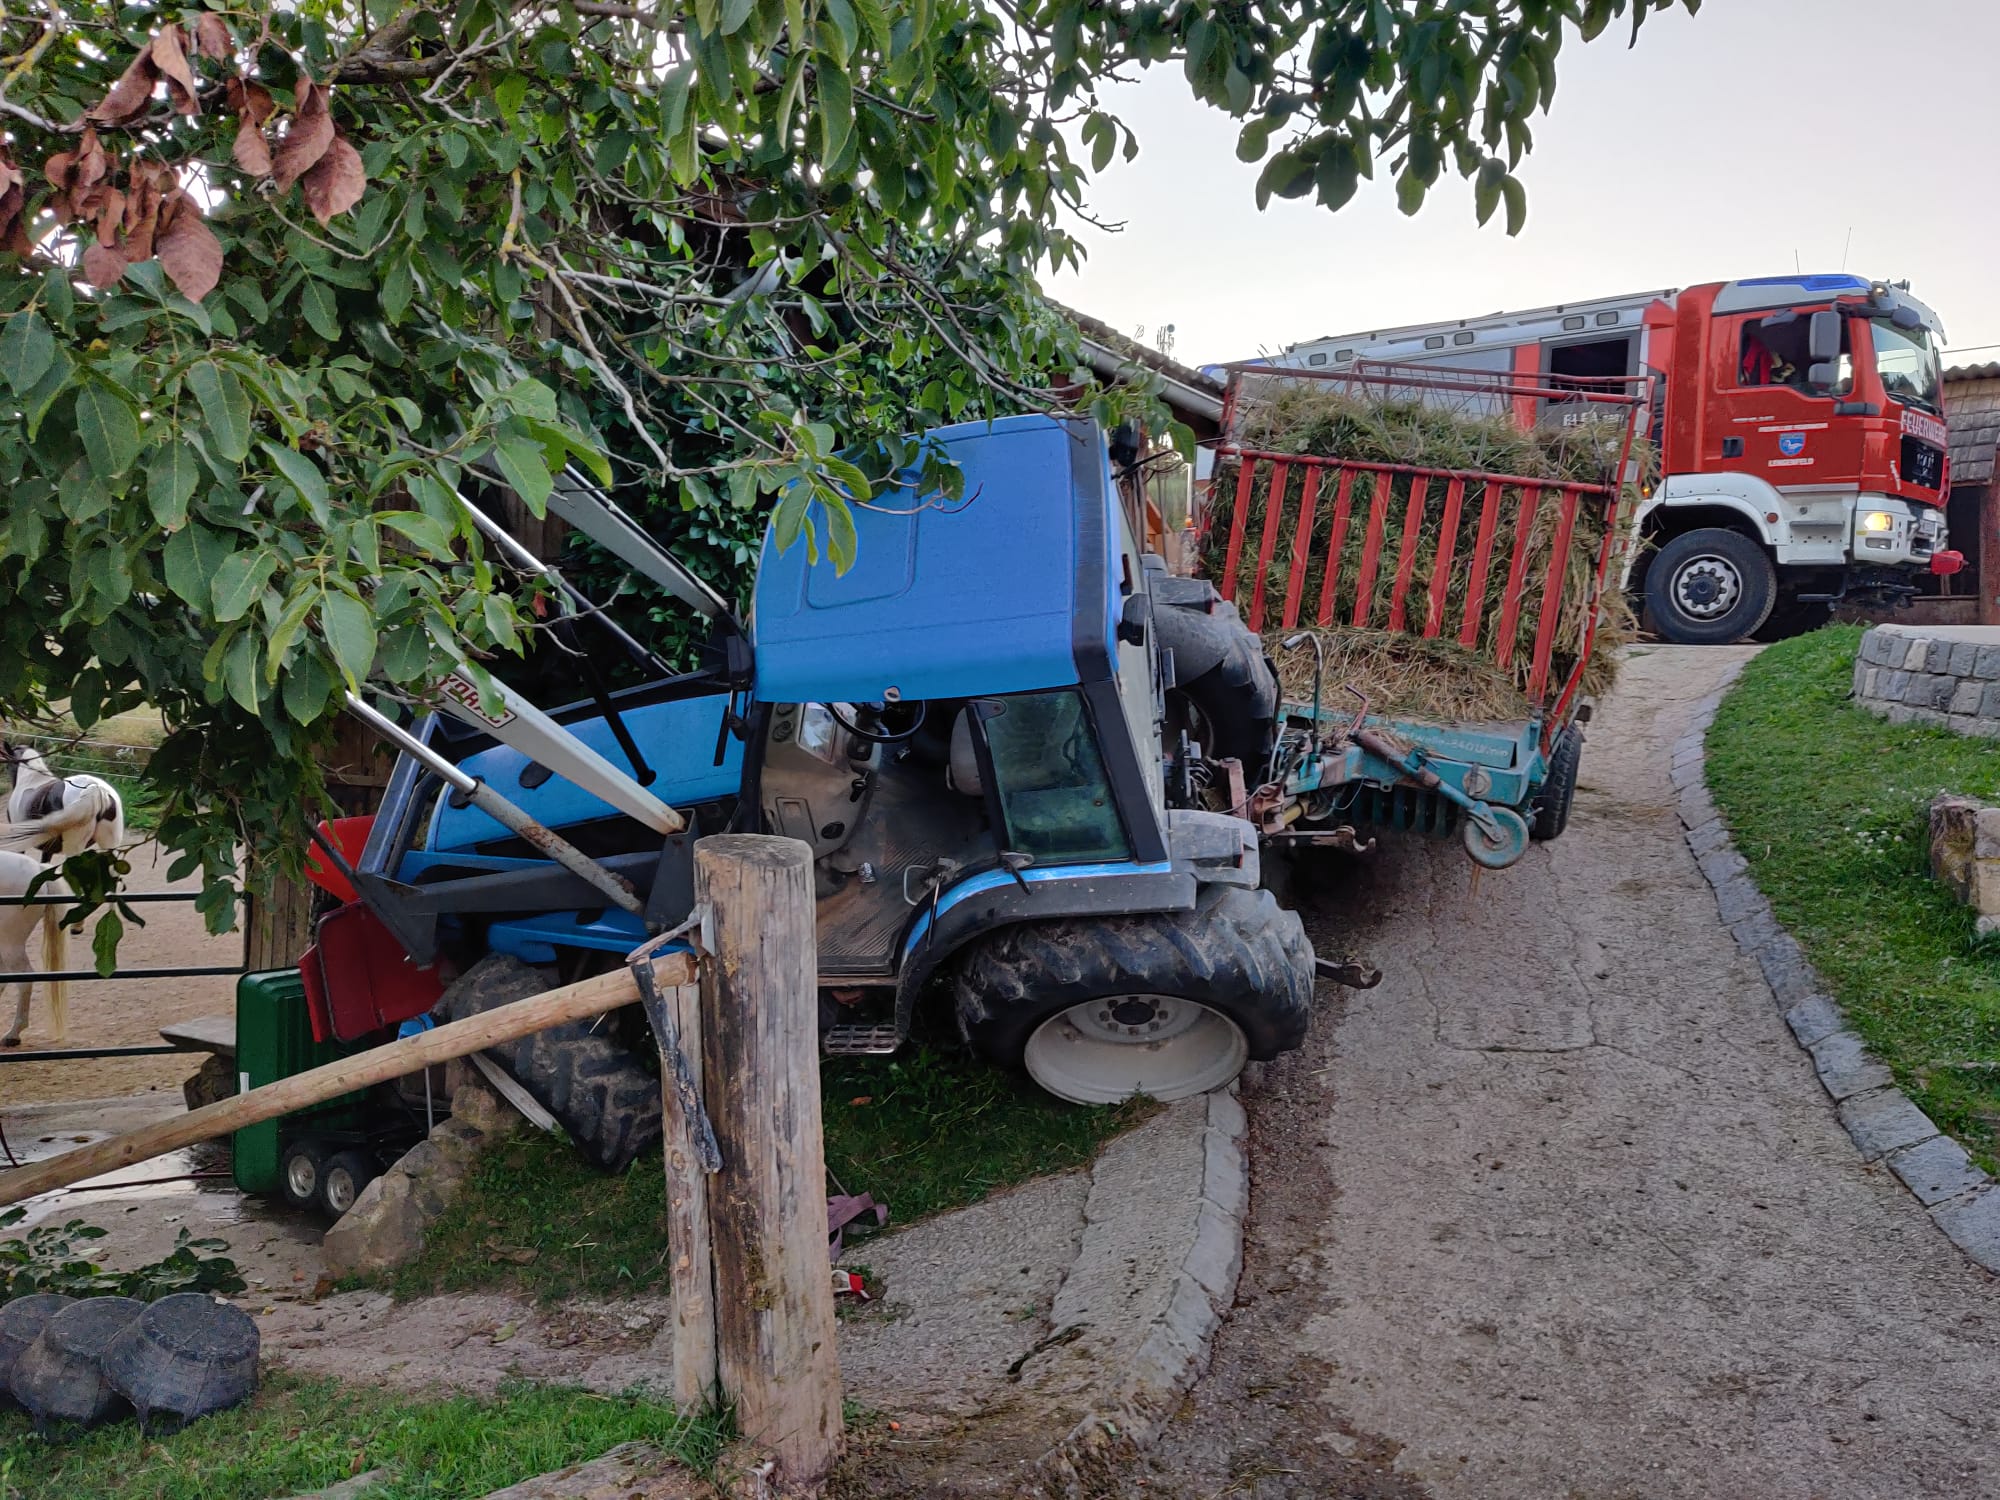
(279, 280)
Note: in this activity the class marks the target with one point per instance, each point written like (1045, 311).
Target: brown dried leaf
(129, 95)
(306, 141)
(142, 217)
(170, 57)
(103, 265)
(252, 151)
(110, 216)
(13, 194)
(190, 254)
(93, 162)
(250, 99)
(211, 36)
(336, 182)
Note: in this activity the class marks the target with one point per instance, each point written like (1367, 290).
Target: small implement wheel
(1710, 587)
(1169, 1004)
(1497, 853)
(1553, 797)
(342, 1179)
(299, 1174)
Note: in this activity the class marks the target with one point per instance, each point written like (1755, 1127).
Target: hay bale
(1438, 679)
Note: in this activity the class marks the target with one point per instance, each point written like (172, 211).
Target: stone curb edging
(1883, 1122)
(1175, 1351)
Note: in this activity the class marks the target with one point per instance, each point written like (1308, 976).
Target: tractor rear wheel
(1168, 1004)
(600, 1091)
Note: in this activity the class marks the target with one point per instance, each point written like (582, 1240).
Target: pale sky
(1720, 146)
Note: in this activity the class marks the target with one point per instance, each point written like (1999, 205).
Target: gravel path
(1559, 1212)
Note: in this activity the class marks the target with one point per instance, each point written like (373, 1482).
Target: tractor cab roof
(1005, 591)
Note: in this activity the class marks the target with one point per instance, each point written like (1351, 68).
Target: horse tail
(55, 958)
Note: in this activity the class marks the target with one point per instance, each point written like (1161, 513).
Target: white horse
(58, 814)
(17, 925)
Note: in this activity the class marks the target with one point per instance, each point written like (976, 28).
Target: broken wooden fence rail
(590, 997)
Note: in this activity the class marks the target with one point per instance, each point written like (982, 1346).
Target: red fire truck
(1798, 421)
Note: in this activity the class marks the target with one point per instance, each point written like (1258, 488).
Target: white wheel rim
(1105, 1051)
(340, 1194)
(301, 1176)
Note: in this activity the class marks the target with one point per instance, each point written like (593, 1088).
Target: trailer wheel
(1553, 797)
(341, 1180)
(1168, 1004)
(1710, 587)
(299, 1174)
(601, 1092)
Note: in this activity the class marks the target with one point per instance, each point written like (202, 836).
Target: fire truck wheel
(1169, 1004)
(1710, 587)
(1552, 799)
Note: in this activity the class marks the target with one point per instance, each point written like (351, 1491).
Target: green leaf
(225, 407)
(316, 301)
(1409, 192)
(35, 403)
(239, 671)
(306, 688)
(239, 582)
(840, 539)
(109, 430)
(191, 558)
(350, 635)
(27, 349)
(304, 476)
(526, 470)
(104, 943)
(510, 93)
(1517, 204)
(836, 113)
(171, 475)
(427, 532)
(398, 286)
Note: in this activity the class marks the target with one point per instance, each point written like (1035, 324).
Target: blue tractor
(984, 730)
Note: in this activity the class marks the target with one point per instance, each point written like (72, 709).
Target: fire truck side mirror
(1823, 340)
(1823, 377)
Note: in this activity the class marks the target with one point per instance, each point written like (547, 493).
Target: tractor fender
(993, 899)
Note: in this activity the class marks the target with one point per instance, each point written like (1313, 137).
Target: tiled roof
(1972, 406)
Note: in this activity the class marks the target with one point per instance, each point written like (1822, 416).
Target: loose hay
(1406, 674)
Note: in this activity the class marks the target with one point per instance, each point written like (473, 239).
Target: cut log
(413, 1054)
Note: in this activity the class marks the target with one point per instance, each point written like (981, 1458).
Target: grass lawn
(923, 1131)
(300, 1435)
(1827, 802)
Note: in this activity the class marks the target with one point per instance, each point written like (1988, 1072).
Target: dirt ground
(123, 1012)
(1559, 1211)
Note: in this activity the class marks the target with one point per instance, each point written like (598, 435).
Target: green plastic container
(274, 1040)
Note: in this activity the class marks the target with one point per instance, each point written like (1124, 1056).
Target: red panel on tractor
(358, 978)
(349, 836)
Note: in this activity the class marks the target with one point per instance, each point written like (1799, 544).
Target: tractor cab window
(1775, 352)
(1053, 790)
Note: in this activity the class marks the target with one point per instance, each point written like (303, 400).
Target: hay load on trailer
(1425, 554)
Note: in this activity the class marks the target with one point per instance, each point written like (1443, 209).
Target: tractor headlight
(1879, 522)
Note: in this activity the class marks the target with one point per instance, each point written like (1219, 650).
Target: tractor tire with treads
(602, 1093)
(1228, 982)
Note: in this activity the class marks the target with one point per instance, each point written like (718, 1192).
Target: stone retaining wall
(1949, 677)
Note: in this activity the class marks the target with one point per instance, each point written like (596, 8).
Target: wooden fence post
(688, 1244)
(767, 1206)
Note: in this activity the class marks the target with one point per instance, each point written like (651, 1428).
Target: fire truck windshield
(1907, 363)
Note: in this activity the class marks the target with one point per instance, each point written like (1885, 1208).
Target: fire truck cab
(1798, 425)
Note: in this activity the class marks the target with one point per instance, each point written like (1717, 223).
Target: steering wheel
(881, 737)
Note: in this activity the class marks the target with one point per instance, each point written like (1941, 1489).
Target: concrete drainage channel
(1883, 1122)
